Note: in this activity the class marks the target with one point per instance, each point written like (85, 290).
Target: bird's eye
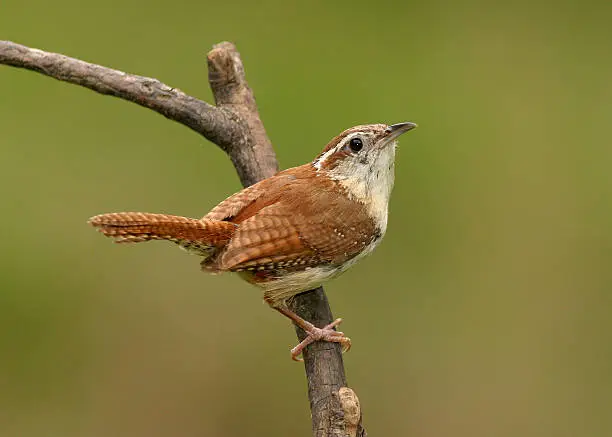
(356, 144)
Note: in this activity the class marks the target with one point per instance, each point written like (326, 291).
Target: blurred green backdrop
(485, 312)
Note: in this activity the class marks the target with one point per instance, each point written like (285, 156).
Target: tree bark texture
(234, 125)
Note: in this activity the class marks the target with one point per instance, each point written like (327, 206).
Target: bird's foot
(327, 333)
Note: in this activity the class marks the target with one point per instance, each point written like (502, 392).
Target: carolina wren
(293, 231)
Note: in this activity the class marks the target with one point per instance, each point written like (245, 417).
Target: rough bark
(335, 408)
(233, 125)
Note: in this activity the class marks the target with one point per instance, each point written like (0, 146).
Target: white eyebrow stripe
(319, 161)
(322, 158)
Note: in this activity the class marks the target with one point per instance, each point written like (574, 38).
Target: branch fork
(234, 125)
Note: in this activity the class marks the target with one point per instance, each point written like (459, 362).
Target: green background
(486, 310)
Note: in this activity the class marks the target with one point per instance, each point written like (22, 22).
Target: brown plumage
(287, 219)
(202, 236)
(282, 224)
(293, 231)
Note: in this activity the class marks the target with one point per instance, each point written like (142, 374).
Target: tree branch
(325, 373)
(251, 152)
(234, 125)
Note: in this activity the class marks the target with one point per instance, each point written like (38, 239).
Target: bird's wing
(237, 207)
(300, 225)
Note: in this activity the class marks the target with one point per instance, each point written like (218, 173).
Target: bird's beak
(395, 130)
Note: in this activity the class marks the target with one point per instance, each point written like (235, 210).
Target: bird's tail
(199, 236)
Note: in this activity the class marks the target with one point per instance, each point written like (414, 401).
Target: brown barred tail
(195, 235)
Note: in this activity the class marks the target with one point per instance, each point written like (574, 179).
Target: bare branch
(252, 155)
(325, 371)
(235, 126)
(213, 123)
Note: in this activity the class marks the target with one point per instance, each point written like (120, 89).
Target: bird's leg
(327, 333)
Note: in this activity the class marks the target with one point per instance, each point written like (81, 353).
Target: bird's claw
(327, 333)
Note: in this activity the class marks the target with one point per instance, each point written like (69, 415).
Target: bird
(293, 231)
